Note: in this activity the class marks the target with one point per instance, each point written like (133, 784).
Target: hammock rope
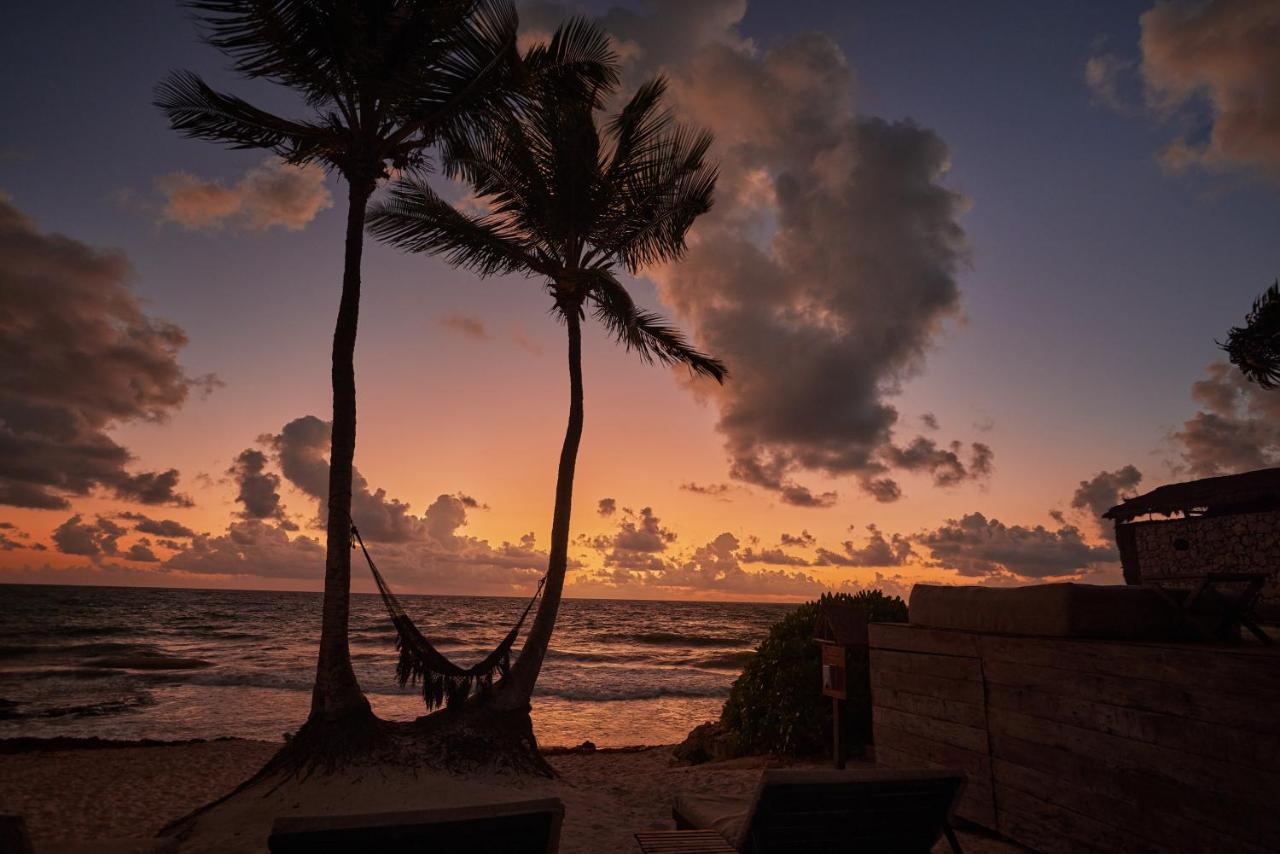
(443, 682)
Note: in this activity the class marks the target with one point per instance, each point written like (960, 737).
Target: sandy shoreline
(72, 792)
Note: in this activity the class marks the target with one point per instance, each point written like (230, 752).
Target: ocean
(150, 663)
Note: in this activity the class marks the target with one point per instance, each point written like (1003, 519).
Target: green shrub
(777, 705)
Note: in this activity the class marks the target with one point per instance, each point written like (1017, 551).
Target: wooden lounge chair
(519, 827)
(818, 812)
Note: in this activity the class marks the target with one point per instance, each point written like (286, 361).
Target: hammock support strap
(443, 682)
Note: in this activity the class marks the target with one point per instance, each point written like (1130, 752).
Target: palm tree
(383, 80)
(569, 203)
(1255, 347)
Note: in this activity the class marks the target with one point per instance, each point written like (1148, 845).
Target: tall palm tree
(1255, 347)
(383, 79)
(569, 203)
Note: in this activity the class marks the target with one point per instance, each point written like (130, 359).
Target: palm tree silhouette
(383, 79)
(1255, 347)
(568, 203)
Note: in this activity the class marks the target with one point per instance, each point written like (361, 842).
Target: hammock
(443, 682)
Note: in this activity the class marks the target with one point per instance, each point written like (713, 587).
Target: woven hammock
(443, 682)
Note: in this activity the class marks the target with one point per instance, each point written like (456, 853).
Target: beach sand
(71, 797)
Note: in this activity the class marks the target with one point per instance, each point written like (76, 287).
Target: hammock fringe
(443, 682)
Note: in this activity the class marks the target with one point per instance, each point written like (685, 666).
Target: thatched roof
(1212, 494)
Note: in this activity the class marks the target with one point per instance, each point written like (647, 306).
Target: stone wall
(1247, 542)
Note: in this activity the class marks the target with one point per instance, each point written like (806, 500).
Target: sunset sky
(966, 266)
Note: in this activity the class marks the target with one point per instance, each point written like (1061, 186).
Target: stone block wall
(1247, 542)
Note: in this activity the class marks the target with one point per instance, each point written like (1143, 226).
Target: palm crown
(1255, 347)
(569, 202)
(383, 78)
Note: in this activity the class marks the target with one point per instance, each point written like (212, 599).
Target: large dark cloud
(828, 263)
(1237, 428)
(77, 357)
(978, 547)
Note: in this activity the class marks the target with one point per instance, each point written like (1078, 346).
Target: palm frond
(415, 218)
(578, 61)
(197, 111)
(648, 334)
(475, 80)
(668, 188)
(1255, 347)
(290, 42)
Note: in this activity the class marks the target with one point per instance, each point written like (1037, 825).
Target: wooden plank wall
(929, 709)
(1076, 745)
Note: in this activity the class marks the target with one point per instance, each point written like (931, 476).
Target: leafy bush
(777, 705)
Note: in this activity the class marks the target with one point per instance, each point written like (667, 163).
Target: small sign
(833, 671)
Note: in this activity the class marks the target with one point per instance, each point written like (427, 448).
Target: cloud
(1104, 74)
(979, 547)
(773, 557)
(638, 538)
(832, 238)
(257, 489)
(1237, 428)
(142, 553)
(1221, 57)
(76, 537)
(302, 448)
(158, 527)
(78, 357)
(803, 540)
(1103, 491)
(716, 490)
(252, 547)
(429, 552)
(878, 551)
(271, 194)
(606, 507)
(1210, 69)
(466, 325)
(714, 568)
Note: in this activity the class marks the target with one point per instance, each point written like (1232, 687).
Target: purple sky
(1027, 221)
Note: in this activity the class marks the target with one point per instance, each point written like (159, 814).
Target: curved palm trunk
(337, 693)
(517, 689)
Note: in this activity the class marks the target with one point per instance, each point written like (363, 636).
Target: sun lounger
(818, 812)
(520, 827)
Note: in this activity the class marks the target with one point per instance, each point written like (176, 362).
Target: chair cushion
(1116, 612)
(725, 814)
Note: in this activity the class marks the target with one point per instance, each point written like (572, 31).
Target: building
(1218, 524)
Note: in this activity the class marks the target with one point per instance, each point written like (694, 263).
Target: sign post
(839, 627)
(834, 686)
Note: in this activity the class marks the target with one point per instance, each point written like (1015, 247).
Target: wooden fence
(1079, 745)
